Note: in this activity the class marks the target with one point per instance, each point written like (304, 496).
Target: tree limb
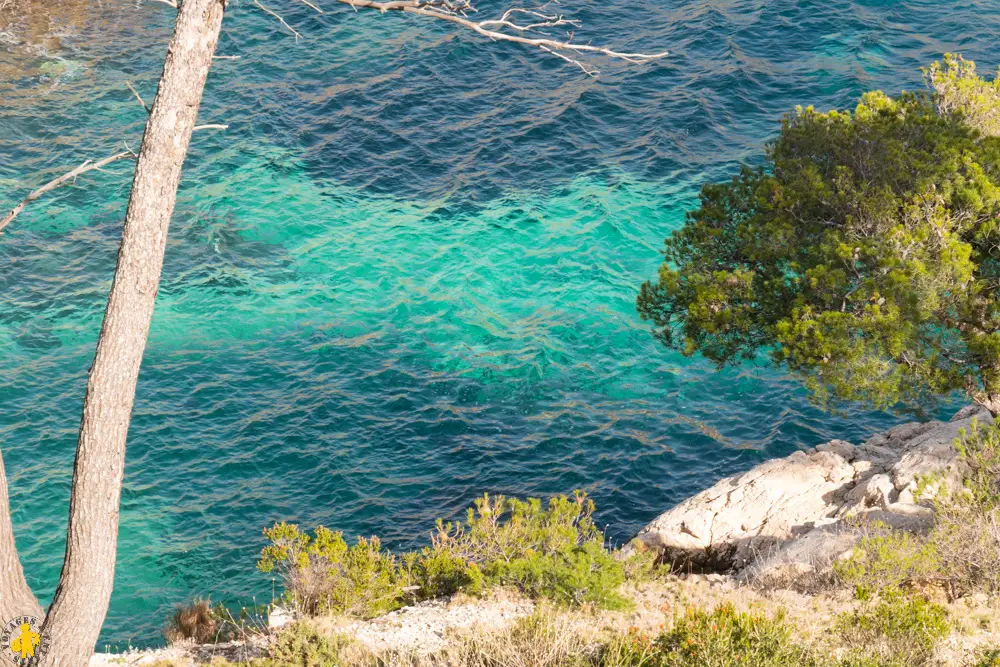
(88, 165)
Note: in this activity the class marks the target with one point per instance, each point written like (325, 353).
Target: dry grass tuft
(194, 622)
(544, 639)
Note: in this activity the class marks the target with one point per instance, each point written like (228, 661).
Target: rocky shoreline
(760, 536)
(785, 521)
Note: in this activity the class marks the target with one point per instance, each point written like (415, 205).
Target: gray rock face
(787, 518)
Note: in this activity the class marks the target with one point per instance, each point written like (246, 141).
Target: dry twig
(278, 16)
(89, 165)
(138, 97)
(456, 11)
(530, 31)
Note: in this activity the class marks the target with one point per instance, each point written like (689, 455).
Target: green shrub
(988, 658)
(979, 449)
(438, 572)
(633, 649)
(886, 561)
(723, 637)
(552, 551)
(301, 645)
(322, 574)
(898, 630)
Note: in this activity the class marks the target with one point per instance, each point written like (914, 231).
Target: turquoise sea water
(405, 275)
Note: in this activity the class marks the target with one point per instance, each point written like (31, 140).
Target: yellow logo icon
(25, 642)
(21, 641)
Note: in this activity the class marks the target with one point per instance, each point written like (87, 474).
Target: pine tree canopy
(864, 256)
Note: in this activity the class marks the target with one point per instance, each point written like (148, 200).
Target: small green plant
(887, 560)
(979, 449)
(966, 535)
(897, 630)
(988, 658)
(322, 574)
(633, 649)
(301, 645)
(554, 552)
(725, 637)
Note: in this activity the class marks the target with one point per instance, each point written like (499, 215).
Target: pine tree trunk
(81, 600)
(16, 598)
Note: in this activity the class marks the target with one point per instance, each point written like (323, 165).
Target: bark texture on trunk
(81, 600)
(16, 598)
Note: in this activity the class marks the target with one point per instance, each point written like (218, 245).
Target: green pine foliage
(862, 256)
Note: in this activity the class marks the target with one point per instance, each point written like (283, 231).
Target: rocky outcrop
(789, 518)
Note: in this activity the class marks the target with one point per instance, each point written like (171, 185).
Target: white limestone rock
(763, 513)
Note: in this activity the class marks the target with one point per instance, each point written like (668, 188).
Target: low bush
(553, 552)
(966, 533)
(723, 637)
(301, 645)
(322, 574)
(550, 551)
(897, 630)
(887, 559)
(988, 658)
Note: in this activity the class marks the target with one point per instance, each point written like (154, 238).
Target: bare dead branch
(225, 57)
(88, 165)
(138, 96)
(589, 71)
(277, 16)
(531, 33)
(306, 2)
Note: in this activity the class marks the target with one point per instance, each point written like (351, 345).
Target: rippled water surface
(405, 275)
